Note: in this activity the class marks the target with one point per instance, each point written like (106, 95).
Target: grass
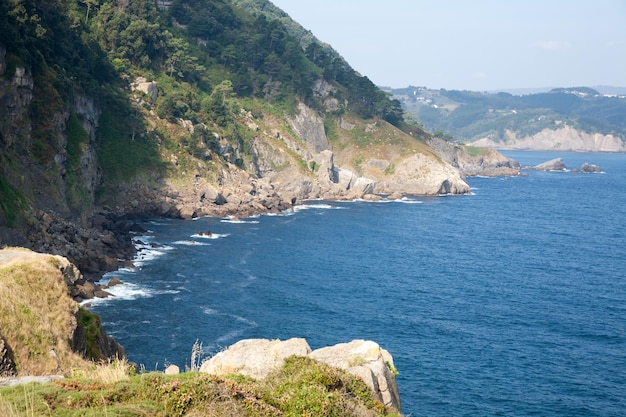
(476, 151)
(302, 387)
(38, 316)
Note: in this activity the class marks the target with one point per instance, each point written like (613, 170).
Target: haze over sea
(507, 302)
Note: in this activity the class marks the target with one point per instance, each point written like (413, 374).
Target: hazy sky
(474, 45)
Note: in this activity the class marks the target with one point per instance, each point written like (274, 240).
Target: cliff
(43, 331)
(96, 131)
(566, 138)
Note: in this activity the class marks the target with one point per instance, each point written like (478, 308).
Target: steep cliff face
(565, 138)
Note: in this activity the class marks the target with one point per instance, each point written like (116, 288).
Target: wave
(211, 236)
(147, 249)
(239, 221)
(403, 200)
(189, 243)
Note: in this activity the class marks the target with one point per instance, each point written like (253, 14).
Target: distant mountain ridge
(575, 118)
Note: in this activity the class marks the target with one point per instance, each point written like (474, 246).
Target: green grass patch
(91, 324)
(476, 151)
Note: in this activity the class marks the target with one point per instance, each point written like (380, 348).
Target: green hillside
(216, 65)
(468, 115)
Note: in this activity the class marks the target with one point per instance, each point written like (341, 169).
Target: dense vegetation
(210, 58)
(195, 45)
(468, 115)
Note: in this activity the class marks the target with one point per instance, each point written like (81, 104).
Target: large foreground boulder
(254, 357)
(364, 359)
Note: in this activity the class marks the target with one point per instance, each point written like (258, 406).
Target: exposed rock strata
(258, 357)
(565, 138)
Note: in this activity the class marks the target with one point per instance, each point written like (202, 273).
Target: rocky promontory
(43, 330)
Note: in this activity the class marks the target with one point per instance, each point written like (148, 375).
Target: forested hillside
(118, 108)
(468, 116)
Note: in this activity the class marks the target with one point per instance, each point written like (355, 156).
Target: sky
(479, 45)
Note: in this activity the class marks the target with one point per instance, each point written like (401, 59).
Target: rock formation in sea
(258, 357)
(555, 164)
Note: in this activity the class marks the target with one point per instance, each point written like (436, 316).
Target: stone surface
(309, 126)
(254, 357)
(172, 370)
(368, 361)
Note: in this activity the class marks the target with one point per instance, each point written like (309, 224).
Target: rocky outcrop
(368, 361)
(555, 164)
(565, 138)
(258, 357)
(65, 328)
(309, 127)
(473, 162)
(419, 174)
(589, 168)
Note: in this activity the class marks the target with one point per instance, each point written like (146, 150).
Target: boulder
(368, 361)
(254, 357)
(172, 370)
(113, 282)
(258, 357)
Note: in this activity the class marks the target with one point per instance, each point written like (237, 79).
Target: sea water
(507, 302)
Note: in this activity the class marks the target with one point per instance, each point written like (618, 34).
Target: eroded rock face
(362, 358)
(310, 128)
(422, 175)
(565, 138)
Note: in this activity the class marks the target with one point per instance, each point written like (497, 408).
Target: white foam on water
(211, 236)
(126, 291)
(239, 221)
(190, 243)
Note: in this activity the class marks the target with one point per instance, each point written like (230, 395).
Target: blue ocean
(507, 302)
